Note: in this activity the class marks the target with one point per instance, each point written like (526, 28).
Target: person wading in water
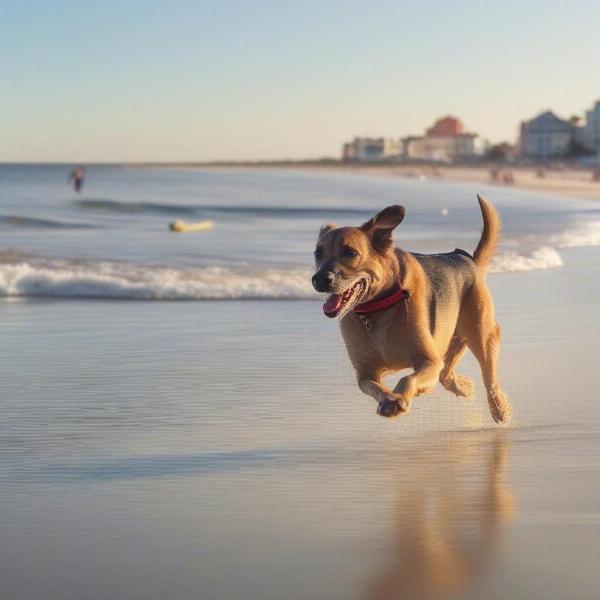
(77, 176)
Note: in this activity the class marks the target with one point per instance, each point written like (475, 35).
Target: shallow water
(221, 449)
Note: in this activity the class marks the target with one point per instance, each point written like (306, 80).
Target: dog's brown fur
(449, 309)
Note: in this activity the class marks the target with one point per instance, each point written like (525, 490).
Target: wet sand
(564, 182)
(222, 450)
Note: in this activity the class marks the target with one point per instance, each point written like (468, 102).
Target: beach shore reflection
(452, 506)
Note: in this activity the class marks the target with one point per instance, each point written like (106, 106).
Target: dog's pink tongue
(332, 303)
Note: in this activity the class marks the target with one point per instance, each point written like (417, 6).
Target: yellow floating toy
(183, 227)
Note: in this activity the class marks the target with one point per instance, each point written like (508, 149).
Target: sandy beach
(563, 182)
(574, 183)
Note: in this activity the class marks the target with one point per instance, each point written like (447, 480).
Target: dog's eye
(318, 254)
(350, 253)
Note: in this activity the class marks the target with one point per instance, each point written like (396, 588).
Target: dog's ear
(325, 229)
(380, 227)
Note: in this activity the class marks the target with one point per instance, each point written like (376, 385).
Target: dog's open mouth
(339, 304)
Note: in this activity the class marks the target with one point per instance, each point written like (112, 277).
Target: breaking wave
(53, 278)
(547, 257)
(77, 279)
(542, 258)
(23, 275)
(586, 233)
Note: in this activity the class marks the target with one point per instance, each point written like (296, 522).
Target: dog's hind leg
(486, 353)
(482, 335)
(457, 384)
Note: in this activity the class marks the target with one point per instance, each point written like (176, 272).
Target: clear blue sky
(183, 80)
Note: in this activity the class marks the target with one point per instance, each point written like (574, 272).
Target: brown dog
(402, 310)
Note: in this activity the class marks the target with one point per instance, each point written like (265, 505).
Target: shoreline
(560, 182)
(553, 180)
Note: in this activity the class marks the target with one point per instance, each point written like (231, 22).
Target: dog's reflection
(452, 505)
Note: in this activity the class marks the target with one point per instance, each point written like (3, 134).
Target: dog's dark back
(450, 276)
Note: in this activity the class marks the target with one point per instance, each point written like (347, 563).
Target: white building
(444, 148)
(591, 131)
(371, 149)
(545, 136)
(445, 141)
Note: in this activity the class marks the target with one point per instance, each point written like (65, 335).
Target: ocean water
(112, 241)
(221, 449)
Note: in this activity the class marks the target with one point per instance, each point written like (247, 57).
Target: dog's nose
(323, 280)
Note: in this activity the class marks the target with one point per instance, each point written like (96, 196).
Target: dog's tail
(490, 237)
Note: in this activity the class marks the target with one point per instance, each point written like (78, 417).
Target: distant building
(546, 136)
(590, 136)
(371, 149)
(445, 141)
(446, 126)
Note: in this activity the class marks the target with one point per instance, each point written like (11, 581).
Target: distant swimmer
(77, 176)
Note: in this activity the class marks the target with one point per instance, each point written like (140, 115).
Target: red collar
(374, 306)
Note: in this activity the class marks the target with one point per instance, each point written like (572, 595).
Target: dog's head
(353, 263)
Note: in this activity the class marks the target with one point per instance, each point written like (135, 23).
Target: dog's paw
(459, 385)
(463, 386)
(388, 408)
(392, 407)
(500, 406)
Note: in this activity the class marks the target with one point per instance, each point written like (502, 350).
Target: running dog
(403, 310)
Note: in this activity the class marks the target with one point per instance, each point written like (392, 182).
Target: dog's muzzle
(323, 280)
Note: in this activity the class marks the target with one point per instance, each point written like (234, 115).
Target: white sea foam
(547, 257)
(542, 258)
(584, 234)
(81, 279)
(62, 279)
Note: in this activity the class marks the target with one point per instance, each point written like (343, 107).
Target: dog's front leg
(390, 404)
(424, 378)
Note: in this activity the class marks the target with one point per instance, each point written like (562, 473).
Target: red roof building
(446, 141)
(447, 126)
